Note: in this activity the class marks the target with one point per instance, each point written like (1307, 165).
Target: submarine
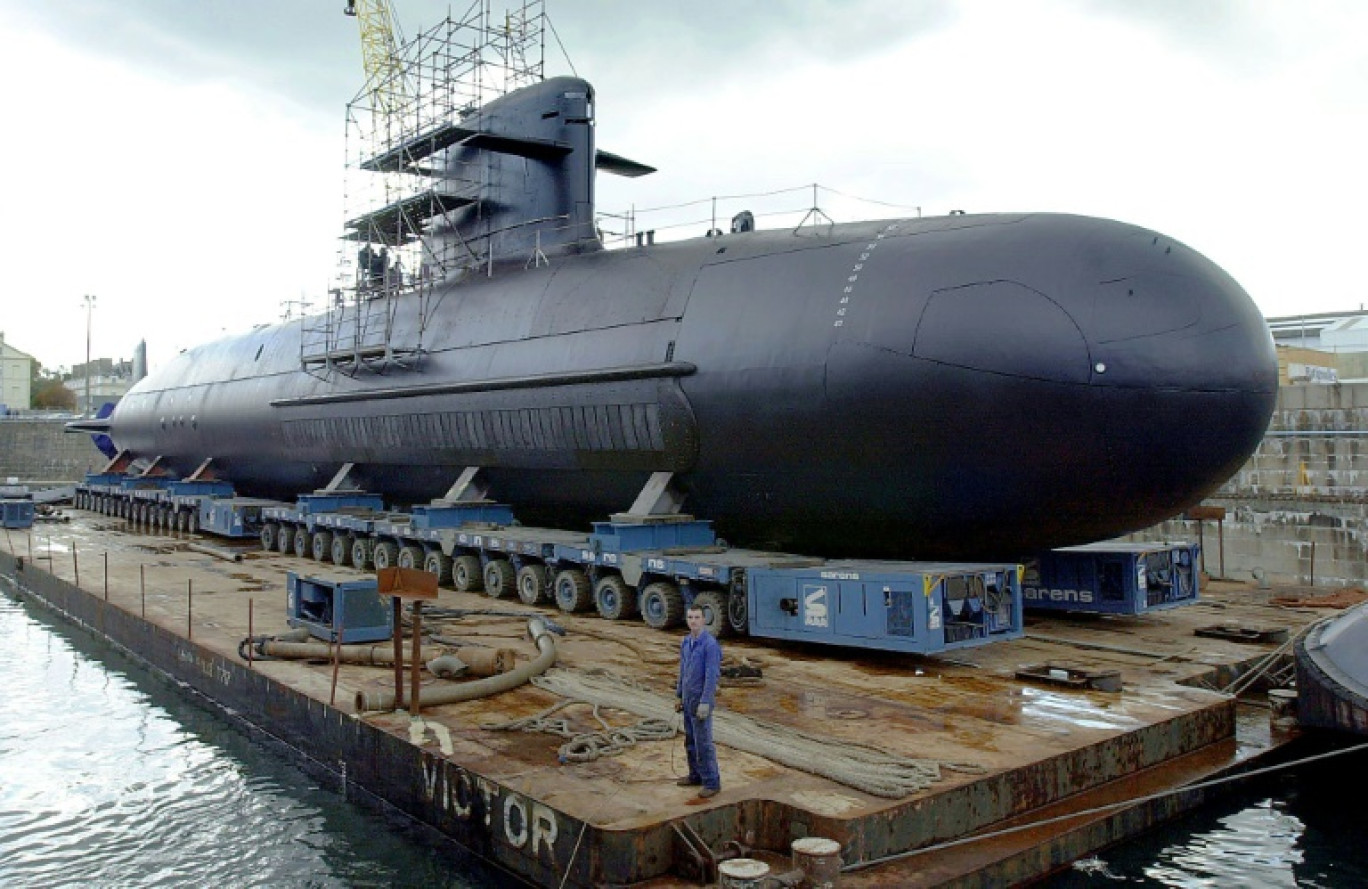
(966, 386)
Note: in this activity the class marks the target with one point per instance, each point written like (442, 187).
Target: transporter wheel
(192, 522)
(302, 542)
(385, 555)
(466, 574)
(738, 613)
(499, 578)
(269, 532)
(573, 592)
(360, 553)
(534, 583)
(285, 539)
(410, 556)
(320, 545)
(662, 605)
(341, 549)
(714, 613)
(613, 598)
(438, 563)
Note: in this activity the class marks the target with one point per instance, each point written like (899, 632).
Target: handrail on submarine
(530, 381)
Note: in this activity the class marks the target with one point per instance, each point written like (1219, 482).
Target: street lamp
(90, 305)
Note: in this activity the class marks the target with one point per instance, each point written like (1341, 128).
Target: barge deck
(994, 750)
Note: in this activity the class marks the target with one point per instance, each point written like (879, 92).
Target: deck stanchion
(142, 584)
(398, 652)
(249, 634)
(337, 661)
(76, 566)
(190, 608)
(106, 575)
(414, 706)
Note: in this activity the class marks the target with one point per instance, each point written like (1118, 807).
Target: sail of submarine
(969, 386)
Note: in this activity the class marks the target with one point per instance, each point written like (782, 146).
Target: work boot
(686, 781)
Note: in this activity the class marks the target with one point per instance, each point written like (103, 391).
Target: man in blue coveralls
(700, 664)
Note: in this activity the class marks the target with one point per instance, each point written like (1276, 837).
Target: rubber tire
(285, 539)
(341, 550)
(500, 580)
(385, 555)
(360, 553)
(534, 580)
(573, 592)
(192, 522)
(738, 613)
(467, 574)
(662, 605)
(269, 532)
(613, 598)
(714, 605)
(438, 564)
(303, 543)
(320, 545)
(410, 556)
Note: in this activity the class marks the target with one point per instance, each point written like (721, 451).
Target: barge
(978, 740)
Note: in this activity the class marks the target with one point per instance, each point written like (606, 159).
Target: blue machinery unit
(323, 606)
(16, 512)
(1113, 577)
(917, 607)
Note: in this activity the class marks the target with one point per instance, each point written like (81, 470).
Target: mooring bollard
(820, 861)
(741, 873)
(1282, 708)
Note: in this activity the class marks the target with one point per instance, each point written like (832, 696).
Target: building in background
(108, 381)
(16, 378)
(1327, 347)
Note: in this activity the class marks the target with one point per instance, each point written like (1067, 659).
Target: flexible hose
(482, 688)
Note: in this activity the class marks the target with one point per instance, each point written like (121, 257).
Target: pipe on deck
(482, 688)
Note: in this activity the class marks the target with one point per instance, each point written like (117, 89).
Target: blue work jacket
(700, 665)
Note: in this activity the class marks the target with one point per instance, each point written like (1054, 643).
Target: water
(110, 776)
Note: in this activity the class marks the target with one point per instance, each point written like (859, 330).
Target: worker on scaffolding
(364, 259)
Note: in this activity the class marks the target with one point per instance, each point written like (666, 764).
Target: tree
(49, 394)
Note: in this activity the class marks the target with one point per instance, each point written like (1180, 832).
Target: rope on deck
(873, 771)
(588, 746)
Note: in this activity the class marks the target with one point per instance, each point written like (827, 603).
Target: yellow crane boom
(380, 52)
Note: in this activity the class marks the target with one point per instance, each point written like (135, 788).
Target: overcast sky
(182, 160)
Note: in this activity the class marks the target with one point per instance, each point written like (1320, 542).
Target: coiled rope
(588, 746)
(875, 772)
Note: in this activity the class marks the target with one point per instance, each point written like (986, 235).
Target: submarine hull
(964, 386)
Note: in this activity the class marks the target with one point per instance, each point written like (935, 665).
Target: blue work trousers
(698, 743)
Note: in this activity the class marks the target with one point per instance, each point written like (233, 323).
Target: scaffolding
(401, 187)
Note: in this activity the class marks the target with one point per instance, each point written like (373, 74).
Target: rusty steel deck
(1030, 750)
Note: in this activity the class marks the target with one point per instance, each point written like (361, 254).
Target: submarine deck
(998, 750)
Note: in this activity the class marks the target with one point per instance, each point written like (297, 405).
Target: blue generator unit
(323, 606)
(1113, 577)
(915, 607)
(16, 512)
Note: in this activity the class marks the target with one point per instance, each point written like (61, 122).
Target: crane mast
(380, 51)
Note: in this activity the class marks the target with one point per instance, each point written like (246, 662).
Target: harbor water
(111, 775)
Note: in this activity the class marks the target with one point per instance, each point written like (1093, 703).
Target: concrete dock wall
(1297, 511)
(39, 450)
